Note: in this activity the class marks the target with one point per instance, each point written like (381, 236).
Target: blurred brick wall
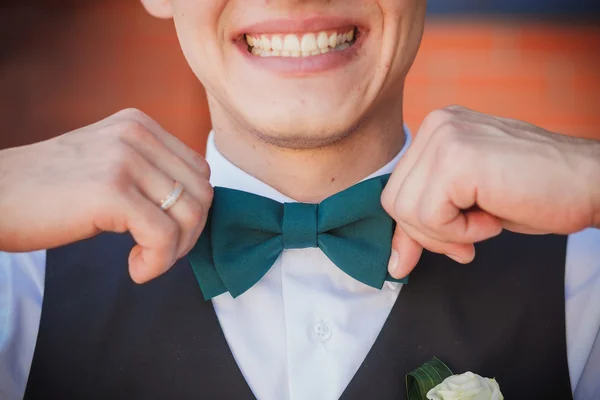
(544, 73)
(65, 67)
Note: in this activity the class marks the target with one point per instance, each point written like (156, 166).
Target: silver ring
(172, 197)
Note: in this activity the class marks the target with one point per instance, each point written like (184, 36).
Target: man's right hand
(108, 177)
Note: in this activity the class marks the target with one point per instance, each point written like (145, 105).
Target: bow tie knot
(245, 234)
(300, 225)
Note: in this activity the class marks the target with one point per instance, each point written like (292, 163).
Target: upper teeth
(298, 45)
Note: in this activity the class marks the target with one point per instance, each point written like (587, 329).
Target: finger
(155, 233)
(188, 213)
(406, 253)
(164, 159)
(177, 147)
(414, 153)
(423, 203)
(520, 228)
(191, 218)
(459, 252)
(440, 203)
(403, 168)
(447, 212)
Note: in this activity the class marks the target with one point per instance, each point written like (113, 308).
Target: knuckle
(439, 117)
(202, 165)
(203, 193)
(448, 131)
(387, 202)
(455, 108)
(208, 192)
(133, 130)
(132, 113)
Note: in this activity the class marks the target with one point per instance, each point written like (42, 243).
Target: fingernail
(393, 264)
(456, 258)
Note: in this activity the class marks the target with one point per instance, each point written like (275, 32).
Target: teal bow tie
(246, 233)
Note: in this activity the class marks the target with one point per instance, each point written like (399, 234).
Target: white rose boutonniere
(467, 386)
(434, 381)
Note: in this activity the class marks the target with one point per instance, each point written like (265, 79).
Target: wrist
(590, 166)
(581, 158)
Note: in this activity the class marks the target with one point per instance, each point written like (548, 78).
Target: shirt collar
(225, 174)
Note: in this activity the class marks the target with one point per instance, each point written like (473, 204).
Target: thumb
(406, 253)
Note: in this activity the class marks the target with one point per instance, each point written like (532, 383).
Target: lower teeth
(275, 53)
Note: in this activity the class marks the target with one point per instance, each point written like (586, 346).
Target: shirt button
(322, 331)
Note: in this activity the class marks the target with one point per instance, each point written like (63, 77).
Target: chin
(302, 132)
(298, 117)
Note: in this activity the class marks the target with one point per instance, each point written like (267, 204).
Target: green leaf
(426, 377)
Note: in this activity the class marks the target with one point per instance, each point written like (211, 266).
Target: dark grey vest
(103, 337)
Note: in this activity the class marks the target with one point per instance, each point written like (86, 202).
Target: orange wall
(548, 74)
(84, 63)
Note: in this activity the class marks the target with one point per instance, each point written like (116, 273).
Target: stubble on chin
(306, 140)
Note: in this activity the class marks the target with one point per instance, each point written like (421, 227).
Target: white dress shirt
(303, 330)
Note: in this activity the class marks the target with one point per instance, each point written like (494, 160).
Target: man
(306, 101)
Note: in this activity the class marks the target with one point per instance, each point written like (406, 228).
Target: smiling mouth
(307, 44)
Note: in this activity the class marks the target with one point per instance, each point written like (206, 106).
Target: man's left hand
(468, 176)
